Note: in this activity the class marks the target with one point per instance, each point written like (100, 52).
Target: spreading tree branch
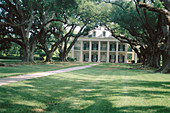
(155, 9)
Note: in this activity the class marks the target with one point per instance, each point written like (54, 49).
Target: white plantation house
(101, 46)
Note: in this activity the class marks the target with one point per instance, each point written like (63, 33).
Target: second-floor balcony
(112, 49)
(104, 48)
(85, 48)
(120, 49)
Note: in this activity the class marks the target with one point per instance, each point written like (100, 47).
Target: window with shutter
(119, 48)
(111, 47)
(123, 47)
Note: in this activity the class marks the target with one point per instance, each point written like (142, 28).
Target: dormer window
(90, 36)
(104, 33)
(94, 33)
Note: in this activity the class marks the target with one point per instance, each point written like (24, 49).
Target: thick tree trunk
(158, 60)
(166, 64)
(63, 51)
(31, 57)
(21, 53)
(146, 56)
(28, 53)
(166, 58)
(167, 67)
(32, 50)
(49, 55)
(154, 60)
(153, 56)
(63, 56)
(144, 61)
(139, 58)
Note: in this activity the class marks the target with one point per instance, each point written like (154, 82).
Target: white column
(125, 53)
(81, 51)
(133, 55)
(90, 48)
(108, 48)
(72, 52)
(136, 58)
(117, 53)
(99, 47)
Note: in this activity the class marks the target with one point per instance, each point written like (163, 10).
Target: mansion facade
(101, 46)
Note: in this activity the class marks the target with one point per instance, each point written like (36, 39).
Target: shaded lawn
(106, 88)
(10, 61)
(20, 69)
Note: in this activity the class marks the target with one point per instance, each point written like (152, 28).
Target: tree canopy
(52, 25)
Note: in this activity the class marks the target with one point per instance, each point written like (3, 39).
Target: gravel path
(4, 81)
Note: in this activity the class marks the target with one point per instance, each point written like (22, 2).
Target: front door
(103, 58)
(94, 58)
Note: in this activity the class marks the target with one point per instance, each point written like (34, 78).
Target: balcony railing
(102, 48)
(121, 49)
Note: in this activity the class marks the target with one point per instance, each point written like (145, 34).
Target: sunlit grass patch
(93, 90)
(37, 110)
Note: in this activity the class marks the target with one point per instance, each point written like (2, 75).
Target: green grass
(8, 61)
(21, 68)
(106, 88)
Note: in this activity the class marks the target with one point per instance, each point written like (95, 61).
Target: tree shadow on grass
(7, 106)
(104, 106)
(73, 94)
